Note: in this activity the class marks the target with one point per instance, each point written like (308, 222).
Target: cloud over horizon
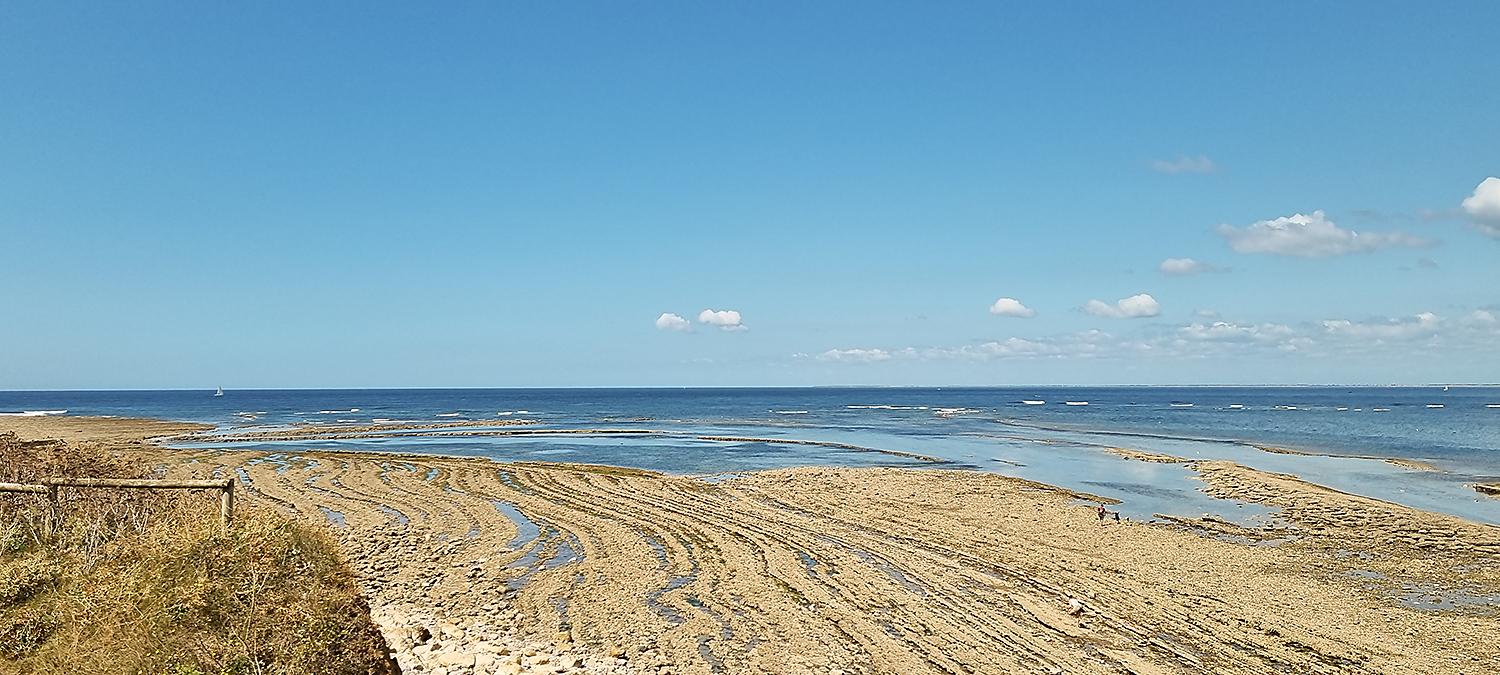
(1484, 207)
(1479, 330)
(1184, 164)
(1011, 307)
(1009, 347)
(1224, 330)
(1184, 266)
(1311, 236)
(726, 320)
(859, 355)
(1424, 324)
(1134, 307)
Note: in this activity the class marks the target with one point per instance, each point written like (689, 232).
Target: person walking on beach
(1101, 514)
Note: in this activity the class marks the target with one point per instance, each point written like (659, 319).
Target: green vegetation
(149, 582)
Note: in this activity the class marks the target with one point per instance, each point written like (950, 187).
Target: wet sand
(817, 570)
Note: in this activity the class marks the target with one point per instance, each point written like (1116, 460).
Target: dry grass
(149, 582)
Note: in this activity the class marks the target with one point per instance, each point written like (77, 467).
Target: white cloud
(1223, 330)
(1182, 266)
(855, 355)
(1185, 164)
(1422, 325)
(727, 319)
(1011, 307)
(1477, 333)
(1484, 207)
(670, 321)
(1313, 236)
(1133, 307)
(1480, 317)
(1009, 347)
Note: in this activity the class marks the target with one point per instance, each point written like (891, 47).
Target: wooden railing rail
(49, 487)
(220, 484)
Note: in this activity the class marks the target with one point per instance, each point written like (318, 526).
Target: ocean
(1055, 435)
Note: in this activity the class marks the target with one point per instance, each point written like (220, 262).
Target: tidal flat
(473, 565)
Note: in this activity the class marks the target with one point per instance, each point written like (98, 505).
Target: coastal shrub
(149, 582)
(23, 630)
(23, 461)
(22, 578)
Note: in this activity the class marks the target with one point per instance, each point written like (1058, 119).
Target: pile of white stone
(432, 645)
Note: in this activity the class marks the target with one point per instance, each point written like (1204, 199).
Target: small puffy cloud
(670, 321)
(1011, 307)
(1184, 164)
(1133, 307)
(1480, 317)
(727, 319)
(1313, 236)
(1484, 207)
(1184, 266)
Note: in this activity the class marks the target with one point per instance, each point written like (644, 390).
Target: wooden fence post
(226, 504)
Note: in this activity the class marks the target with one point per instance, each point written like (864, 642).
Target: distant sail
(219, 391)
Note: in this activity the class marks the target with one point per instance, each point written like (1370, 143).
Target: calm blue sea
(1050, 434)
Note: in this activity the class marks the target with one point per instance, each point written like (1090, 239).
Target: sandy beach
(477, 566)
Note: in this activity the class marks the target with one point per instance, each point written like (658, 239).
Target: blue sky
(580, 194)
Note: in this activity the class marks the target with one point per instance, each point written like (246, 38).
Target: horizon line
(1468, 385)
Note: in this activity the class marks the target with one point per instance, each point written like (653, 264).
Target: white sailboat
(219, 391)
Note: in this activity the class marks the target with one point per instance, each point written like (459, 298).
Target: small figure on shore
(1117, 516)
(1101, 513)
